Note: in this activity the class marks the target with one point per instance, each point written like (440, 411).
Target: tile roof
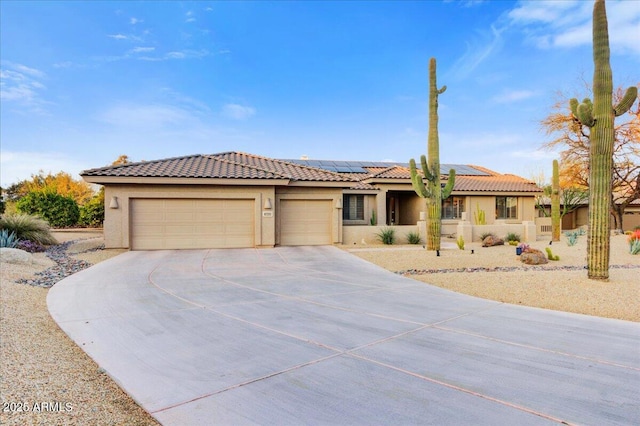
(239, 165)
(494, 183)
(489, 181)
(227, 165)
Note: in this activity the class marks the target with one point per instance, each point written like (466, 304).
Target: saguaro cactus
(555, 203)
(433, 192)
(599, 116)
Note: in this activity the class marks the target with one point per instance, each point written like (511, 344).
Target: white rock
(12, 255)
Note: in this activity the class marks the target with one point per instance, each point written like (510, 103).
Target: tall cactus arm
(425, 169)
(446, 191)
(442, 90)
(416, 180)
(627, 100)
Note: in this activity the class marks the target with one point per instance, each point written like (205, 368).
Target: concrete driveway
(314, 335)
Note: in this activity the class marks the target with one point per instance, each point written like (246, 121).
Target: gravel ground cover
(45, 378)
(496, 273)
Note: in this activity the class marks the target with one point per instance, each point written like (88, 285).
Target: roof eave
(104, 180)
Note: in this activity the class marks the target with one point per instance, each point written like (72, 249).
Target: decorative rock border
(505, 269)
(65, 266)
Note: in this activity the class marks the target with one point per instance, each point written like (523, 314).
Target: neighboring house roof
(358, 175)
(469, 178)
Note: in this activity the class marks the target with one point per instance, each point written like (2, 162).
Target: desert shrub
(56, 209)
(92, 212)
(572, 238)
(485, 235)
(30, 246)
(8, 239)
(387, 235)
(512, 236)
(634, 242)
(414, 237)
(28, 227)
(460, 242)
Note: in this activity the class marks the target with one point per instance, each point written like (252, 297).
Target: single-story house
(580, 216)
(235, 199)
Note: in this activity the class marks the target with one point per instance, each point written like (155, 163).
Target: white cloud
(65, 64)
(142, 49)
(182, 54)
(19, 165)
(477, 52)
(509, 96)
(134, 21)
(144, 116)
(118, 36)
(21, 85)
(549, 24)
(189, 16)
(238, 112)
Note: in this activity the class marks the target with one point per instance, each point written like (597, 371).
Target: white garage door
(305, 222)
(191, 223)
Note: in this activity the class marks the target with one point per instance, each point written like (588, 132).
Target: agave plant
(8, 239)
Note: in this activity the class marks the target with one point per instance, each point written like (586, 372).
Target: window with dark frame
(506, 207)
(353, 207)
(452, 208)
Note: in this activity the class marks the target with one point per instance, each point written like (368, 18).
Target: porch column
(381, 207)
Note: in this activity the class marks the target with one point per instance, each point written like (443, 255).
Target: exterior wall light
(339, 203)
(267, 204)
(114, 203)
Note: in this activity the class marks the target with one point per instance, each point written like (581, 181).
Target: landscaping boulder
(12, 255)
(492, 241)
(533, 257)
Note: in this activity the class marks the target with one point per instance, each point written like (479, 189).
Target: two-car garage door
(223, 223)
(192, 223)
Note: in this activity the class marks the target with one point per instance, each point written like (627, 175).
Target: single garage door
(305, 222)
(191, 223)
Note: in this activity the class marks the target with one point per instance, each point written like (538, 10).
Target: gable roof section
(226, 165)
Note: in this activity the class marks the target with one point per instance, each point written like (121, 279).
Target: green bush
(28, 227)
(92, 212)
(387, 235)
(460, 242)
(414, 238)
(56, 209)
(512, 236)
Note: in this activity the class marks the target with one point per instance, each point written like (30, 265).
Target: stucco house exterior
(235, 199)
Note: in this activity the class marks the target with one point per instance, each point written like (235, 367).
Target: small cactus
(550, 254)
(555, 204)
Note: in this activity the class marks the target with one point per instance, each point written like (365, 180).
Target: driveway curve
(314, 335)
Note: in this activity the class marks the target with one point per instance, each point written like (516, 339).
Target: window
(353, 207)
(452, 208)
(506, 207)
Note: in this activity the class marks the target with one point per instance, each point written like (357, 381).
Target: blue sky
(84, 82)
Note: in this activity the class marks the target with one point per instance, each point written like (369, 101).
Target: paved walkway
(314, 335)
